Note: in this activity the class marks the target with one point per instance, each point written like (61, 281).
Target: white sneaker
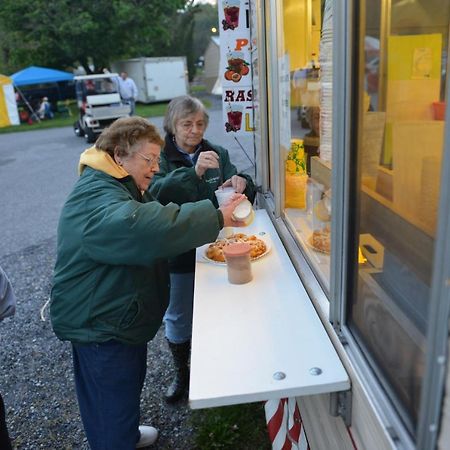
(148, 436)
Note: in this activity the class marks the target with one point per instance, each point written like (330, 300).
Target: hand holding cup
(228, 208)
(237, 183)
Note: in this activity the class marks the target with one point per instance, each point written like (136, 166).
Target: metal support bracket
(341, 405)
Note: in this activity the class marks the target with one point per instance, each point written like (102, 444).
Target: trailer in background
(157, 79)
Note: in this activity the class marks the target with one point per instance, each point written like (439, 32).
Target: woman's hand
(206, 160)
(228, 208)
(238, 183)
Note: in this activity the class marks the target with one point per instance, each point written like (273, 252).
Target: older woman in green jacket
(191, 169)
(111, 281)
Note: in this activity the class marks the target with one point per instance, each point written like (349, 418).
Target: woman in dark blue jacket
(191, 169)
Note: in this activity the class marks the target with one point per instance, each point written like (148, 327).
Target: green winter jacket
(111, 277)
(178, 182)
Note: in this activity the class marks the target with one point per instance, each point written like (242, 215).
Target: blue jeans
(178, 317)
(132, 103)
(109, 378)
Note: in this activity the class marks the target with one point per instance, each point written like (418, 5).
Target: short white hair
(181, 107)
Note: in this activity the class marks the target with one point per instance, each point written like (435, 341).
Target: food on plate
(320, 240)
(214, 251)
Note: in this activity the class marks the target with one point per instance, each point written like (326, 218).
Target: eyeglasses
(187, 126)
(155, 161)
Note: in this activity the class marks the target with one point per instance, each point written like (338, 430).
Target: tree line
(64, 34)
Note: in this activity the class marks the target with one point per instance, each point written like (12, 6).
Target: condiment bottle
(239, 267)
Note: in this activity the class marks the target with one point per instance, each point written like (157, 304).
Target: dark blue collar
(189, 156)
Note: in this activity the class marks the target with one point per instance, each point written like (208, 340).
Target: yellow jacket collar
(100, 160)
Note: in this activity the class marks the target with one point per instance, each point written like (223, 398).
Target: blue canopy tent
(39, 75)
(35, 75)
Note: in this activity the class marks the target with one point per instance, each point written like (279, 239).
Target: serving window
(399, 131)
(304, 73)
(372, 242)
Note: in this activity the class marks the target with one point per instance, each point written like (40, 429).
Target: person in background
(7, 309)
(191, 169)
(109, 84)
(111, 279)
(45, 109)
(128, 91)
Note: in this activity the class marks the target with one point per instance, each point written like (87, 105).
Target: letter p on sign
(241, 43)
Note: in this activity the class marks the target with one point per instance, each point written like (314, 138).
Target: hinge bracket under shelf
(341, 405)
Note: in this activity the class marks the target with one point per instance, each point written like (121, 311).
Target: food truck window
(305, 127)
(399, 129)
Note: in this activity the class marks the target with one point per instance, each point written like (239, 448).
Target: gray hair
(181, 107)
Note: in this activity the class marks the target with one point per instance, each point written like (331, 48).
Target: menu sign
(235, 66)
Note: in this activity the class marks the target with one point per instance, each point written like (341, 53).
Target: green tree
(182, 32)
(205, 20)
(192, 32)
(62, 32)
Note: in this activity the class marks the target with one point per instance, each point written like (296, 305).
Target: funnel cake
(215, 250)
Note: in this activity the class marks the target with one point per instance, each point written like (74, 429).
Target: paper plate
(311, 246)
(220, 263)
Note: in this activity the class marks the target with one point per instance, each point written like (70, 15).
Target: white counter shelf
(261, 340)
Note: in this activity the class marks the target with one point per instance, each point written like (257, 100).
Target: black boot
(180, 383)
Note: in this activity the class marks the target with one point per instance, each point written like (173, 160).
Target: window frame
(439, 313)
(345, 111)
(347, 18)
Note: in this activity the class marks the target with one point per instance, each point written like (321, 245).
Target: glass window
(399, 133)
(305, 127)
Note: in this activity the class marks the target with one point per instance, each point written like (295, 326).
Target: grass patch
(65, 120)
(60, 120)
(197, 89)
(238, 427)
(151, 110)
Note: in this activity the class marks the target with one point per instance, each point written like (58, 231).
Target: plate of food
(214, 252)
(320, 241)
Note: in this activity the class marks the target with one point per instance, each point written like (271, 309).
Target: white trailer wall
(157, 79)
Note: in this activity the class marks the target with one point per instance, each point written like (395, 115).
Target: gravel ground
(36, 377)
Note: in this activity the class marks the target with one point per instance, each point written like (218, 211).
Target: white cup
(224, 195)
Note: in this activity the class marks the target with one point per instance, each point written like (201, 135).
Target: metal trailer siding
(157, 79)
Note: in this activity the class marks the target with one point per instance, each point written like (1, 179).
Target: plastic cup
(224, 195)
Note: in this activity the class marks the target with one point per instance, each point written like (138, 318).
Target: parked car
(99, 104)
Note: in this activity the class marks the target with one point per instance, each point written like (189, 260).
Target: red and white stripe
(284, 424)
